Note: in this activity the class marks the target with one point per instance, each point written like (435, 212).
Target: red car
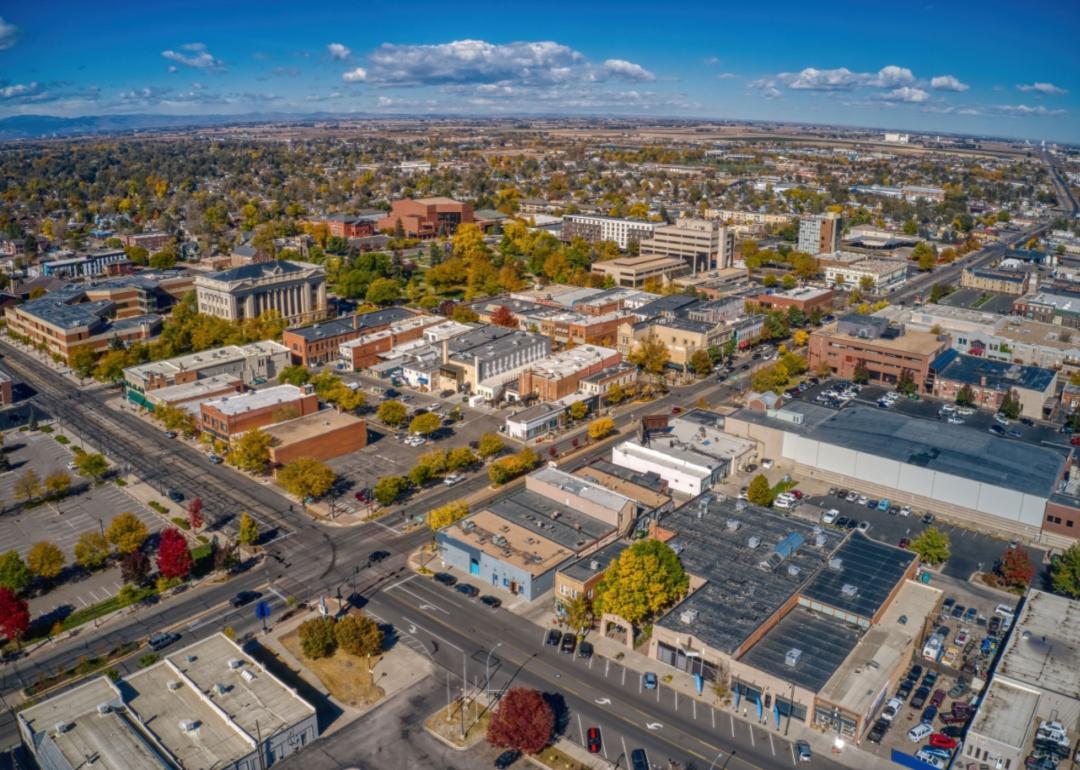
(592, 739)
(798, 494)
(941, 741)
(904, 542)
(937, 698)
(1075, 441)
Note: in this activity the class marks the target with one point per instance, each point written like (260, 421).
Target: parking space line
(711, 709)
(771, 745)
(640, 684)
(732, 720)
(624, 676)
(676, 699)
(622, 740)
(581, 730)
(751, 728)
(693, 704)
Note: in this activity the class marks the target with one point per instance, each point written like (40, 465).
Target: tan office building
(704, 244)
(632, 272)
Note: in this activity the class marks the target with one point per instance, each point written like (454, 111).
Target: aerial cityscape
(569, 387)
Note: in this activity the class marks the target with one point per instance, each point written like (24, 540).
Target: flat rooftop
(541, 411)
(566, 526)
(1025, 332)
(190, 391)
(519, 546)
(581, 487)
(823, 643)
(959, 450)
(565, 363)
(312, 425)
(871, 567)
(801, 293)
(1044, 648)
(985, 372)
(204, 359)
(256, 399)
(361, 321)
(683, 459)
(1006, 713)
(642, 487)
(638, 264)
(920, 343)
(739, 594)
(593, 564)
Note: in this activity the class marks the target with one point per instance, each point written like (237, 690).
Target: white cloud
(766, 87)
(813, 79)
(9, 34)
(908, 94)
(171, 68)
(527, 63)
(355, 76)
(947, 83)
(1043, 88)
(891, 76)
(19, 91)
(197, 57)
(338, 51)
(1024, 110)
(726, 76)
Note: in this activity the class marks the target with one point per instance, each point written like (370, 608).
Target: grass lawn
(446, 722)
(559, 760)
(345, 676)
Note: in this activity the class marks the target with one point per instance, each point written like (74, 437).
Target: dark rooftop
(669, 304)
(651, 480)
(257, 270)
(321, 331)
(566, 526)
(871, 569)
(999, 375)
(582, 569)
(816, 644)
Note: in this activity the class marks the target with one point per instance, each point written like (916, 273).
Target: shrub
(317, 638)
(181, 522)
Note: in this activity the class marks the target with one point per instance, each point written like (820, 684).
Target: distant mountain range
(45, 126)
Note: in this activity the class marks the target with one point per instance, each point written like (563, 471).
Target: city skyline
(936, 69)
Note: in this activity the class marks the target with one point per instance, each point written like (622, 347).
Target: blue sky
(1006, 68)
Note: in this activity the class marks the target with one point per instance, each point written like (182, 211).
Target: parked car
(904, 690)
(997, 430)
(592, 739)
(491, 601)
(568, 643)
(585, 650)
(649, 680)
(215, 459)
(841, 523)
(830, 516)
(928, 518)
(802, 748)
(903, 542)
(445, 578)
(892, 708)
(162, 640)
(932, 676)
(467, 590)
(971, 614)
(877, 732)
(918, 732)
(506, 759)
(639, 760)
(918, 700)
(377, 556)
(175, 495)
(553, 637)
(864, 526)
(244, 597)
(940, 741)
(937, 698)
(905, 511)
(170, 434)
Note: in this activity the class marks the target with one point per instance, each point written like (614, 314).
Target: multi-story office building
(427, 217)
(559, 375)
(749, 217)
(484, 360)
(296, 291)
(1049, 307)
(142, 293)
(597, 228)
(632, 272)
(871, 343)
(152, 241)
(848, 269)
(995, 279)
(321, 342)
(704, 244)
(97, 262)
(819, 234)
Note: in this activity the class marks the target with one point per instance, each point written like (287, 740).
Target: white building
(296, 291)
(684, 469)
(887, 274)
(597, 228)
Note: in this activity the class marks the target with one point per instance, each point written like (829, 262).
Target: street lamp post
(487, 668)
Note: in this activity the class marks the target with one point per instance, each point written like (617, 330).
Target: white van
(919, 731)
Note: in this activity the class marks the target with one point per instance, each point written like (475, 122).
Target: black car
(841, 523)
(997, 430)
(445, 578)
(904, 690)
(491, 601)
(553, 638)
(928, 518)
(958, 611)
(467, 590)
(928, 715)
(507, 758)
(639, 760)
(377, 556)
(244, 597)
(953, 731)
(931, 676)
(877, 732)
(947, 605)
(918, 700)
(994, 625)
(585, 650)
(162, 640)
(175, 495)
(914, 673)
(841, 493)
(568, 643)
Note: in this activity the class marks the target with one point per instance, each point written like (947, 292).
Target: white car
(766, 463)
(919, 731)
(863, 500)
(965, 411)
(1001, 419)
(905, 511)
(830, 516)
(892, 708)
(954, 420)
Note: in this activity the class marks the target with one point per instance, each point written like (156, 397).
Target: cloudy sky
(994, 66)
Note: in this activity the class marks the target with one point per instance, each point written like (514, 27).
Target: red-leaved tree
(14, 615)
(504, 316)
(173, 557)
(1016, 568)
(195, 517)
(523, 720)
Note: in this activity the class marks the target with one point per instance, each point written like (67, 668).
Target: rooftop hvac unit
(594, 565)
(499, 540)
(190, 658)
(793, 570)
(468, 525)
(836, 563)
(63, 727)
(220, 688)
(733, 524)
(247, 675)
(754, 541)
(792, 657)
(235, 663)
(173, 685)
(104, 708)
(820, 539)
(189, 725)
(849, 590)
(688, 617)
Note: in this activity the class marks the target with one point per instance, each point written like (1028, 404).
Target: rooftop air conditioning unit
(688, 617)
(189, 725)
(220, 688)
(733, 524)
(820, 539)
(468, 525)
(754, 541)
(104, 708)
(235, 663)
(63, 727)
(792, 657)
(793, 570)
(836, 563)
(247, 675)
(594, 565)
(173, 685)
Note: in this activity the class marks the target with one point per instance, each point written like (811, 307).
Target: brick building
(883, 350)
(6, 398)
(364, 351)
(427, 217)
(321, 435)
(321, 342)
(228, 416)
(152, 242)
(804, 298)
(580, 329)
(991, 380)
(559, 374)
(345, 225)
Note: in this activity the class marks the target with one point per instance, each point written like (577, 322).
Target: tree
(248, 531)
(800, 337)
(358, 635)
(490, 444)
(195, 517)
(420, 474)
(773, 377)
(317, 638)
(425, 424)
(14, 574)
(461, 458)
(578, 613)
(294, 375)
(861, 374)
(1065, 572)
(642, 581)
(14, 615)
(126, 532)
(601, 427)
(1010, 405)
(173, 556)
(905, 383)
(45, 560)
(701, 363)
(932, 546)
(447, 514)
(28, 485)
(388, 489)
(503, 316)
(924, 255)
(251, 452)
(965, 396)
(82, 360)
(306, 477)
(58, 483)
(176, 419)
(1017, 569)
(578, 410)
(91, 465)
(760, 491)
(651, 355)
(383, 291)
(134, 567)
(523, 720)
(91, 550)
(392, 413)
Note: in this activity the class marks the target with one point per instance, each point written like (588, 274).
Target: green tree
(388, 489)
(14, 574)
(760, 491)
(82, 360)
(176, 419)
(861, 374)
(932, 546)
(1064, 572)
(383, 291)
(651, 355)
(461, 458)
(305, 477)
(91, 550)
(925, 256)
(317, 638)
(788, 282)
(701, 363)
(251, 452)
(294, 375)
(28, 485)
(578, 410)
(425, 424)
(126, 532)
(248, 532)
(600, 428)
(578, 613)
(965, 396)
(91, 465)
(446, 515)
(358, 635)
(490, 445)
(644, 580)
(1010, 405)
(45, 560)
(392, 413)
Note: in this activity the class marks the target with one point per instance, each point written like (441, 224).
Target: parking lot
(976, 299)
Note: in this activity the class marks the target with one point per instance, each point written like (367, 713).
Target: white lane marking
(791, 747)
(676, 699)
(603, 701)
(622, 740)
(771, 745)
(713, 717)
(693, 703)
(653, 725)
(752, 741)
(423, 601)
(730, 717)
(400, 582)
(385, 526)
(581, 730)
(432, 633)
